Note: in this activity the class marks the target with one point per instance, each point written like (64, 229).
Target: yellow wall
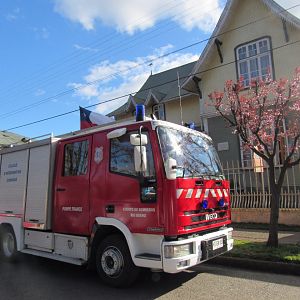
(190, 110)
(286, 58)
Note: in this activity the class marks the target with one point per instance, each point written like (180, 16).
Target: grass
(288, 253)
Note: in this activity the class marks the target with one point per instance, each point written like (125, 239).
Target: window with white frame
(254, 60)
(159, 111)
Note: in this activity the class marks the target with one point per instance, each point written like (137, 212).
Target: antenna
(179, 93)
(150, 65)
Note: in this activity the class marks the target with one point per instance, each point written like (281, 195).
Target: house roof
(9, 138)
(161, 86)
(224, 19)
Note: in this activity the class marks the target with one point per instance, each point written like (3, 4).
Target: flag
(89, 119)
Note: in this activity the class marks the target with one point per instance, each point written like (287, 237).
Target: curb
(261, 265)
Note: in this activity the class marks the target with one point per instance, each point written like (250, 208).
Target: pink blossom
(264, 115)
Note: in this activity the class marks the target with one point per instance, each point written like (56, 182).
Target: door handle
(60, 189)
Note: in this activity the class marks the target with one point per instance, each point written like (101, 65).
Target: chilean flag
(89, 119)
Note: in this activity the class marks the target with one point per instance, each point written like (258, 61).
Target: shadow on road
(38, 278)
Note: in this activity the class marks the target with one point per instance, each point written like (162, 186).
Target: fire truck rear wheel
(8, 245)
(113, 262)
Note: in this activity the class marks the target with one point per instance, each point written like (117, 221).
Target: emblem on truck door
(98, 155)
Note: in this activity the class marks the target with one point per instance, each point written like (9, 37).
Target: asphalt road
(37, 278)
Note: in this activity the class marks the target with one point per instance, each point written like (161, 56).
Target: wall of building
(222, 137)
(285, 56)
(190, 110)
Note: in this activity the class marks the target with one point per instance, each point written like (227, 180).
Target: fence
(251, 189)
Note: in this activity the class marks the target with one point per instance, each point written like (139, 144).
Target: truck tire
(113, 262)
(8, 244)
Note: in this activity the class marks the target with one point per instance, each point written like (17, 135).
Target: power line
(60, 94)
(76, 65)
(127, 95)
(93, 44)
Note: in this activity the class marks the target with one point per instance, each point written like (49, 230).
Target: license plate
(216, 244)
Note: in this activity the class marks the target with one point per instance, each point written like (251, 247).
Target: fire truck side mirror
(138, 140)
(171, 168)
(140, 159)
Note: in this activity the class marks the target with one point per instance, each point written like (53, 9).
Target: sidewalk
(253, 235)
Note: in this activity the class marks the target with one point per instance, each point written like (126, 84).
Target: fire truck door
(133, 198)
(71, 213)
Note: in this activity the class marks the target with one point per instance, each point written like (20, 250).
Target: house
(9, 138)
(251, 39)
(162, 97)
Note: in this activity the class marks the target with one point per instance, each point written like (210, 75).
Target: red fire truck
(119, 197)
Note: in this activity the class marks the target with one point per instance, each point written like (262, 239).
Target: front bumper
(204, 247)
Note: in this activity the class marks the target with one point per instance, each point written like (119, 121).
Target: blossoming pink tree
(257, 115)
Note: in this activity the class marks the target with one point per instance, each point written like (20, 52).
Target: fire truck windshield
(194, 153)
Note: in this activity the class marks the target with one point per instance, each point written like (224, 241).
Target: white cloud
(89, 49)
(39, 92)
(113, 80)
(14, 15)
(86, 91)
(41, 33)
(132, 15)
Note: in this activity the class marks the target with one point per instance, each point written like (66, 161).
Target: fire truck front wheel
(8, 245)
(113, 262)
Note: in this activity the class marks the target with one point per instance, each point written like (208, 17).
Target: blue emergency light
(190, 125)
(140, 112)
(221, 202)
(204, 204)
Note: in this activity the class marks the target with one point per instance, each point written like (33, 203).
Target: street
(36, 278)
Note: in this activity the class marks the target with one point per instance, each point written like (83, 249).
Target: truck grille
(205, 223)
(203, 217)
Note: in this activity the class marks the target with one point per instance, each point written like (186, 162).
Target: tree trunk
(274, 215)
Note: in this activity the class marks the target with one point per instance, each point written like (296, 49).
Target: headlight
(175, 251)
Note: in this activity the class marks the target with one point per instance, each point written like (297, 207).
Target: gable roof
(162, 86)
(9, 138)
(223, 21)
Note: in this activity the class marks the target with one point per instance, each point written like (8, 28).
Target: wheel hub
(112, 261)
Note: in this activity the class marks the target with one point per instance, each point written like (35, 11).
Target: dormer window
(159, 111)
(254, 60)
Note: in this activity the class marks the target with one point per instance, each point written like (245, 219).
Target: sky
(57, 55)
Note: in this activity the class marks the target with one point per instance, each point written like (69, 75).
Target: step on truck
(120, 197)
